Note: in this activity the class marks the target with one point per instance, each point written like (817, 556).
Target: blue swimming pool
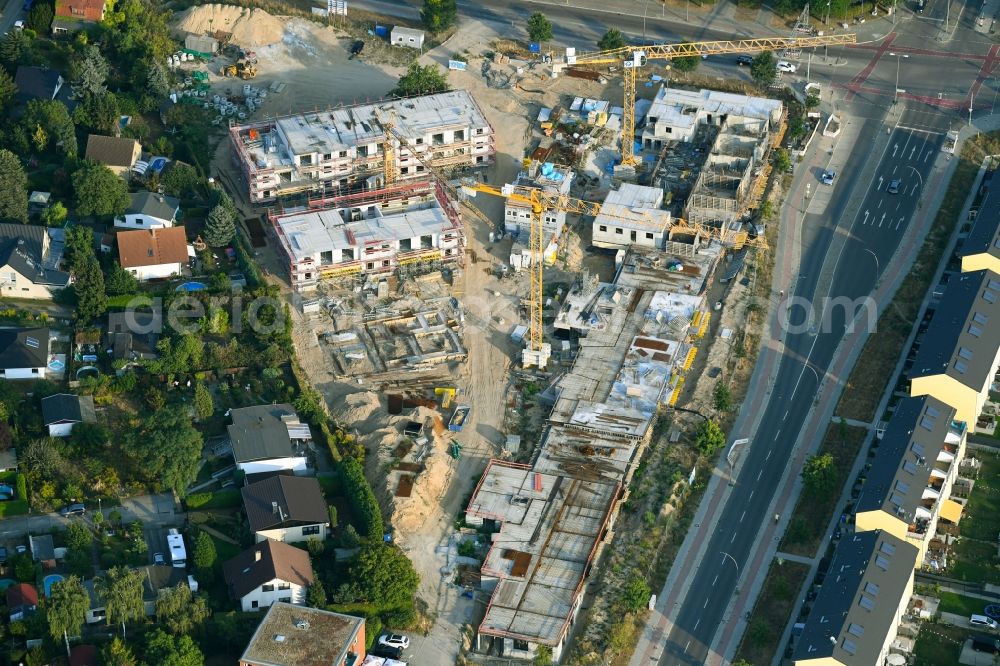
(5, 583)
(6, 491)
(49, 581)
(191, 286)
(157, 163)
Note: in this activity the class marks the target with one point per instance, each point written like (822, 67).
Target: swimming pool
(6, 491)
(157, 163)
(5, 583)
(190, 286)
(87, 371)
(49, 581)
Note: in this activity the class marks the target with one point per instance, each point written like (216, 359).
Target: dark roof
(157, 577)
(856, 605)
(245, 573)
(21, 594)
(42, 547)
(299, 501)
(24, 348)
(110, 150)
(324, 638)
(902, 467)
(36, 82)
(984, 237)
(265, 431)
(23, 247)
(133, 334)
(83, 655)
(68, 407)
(154, 205)
(964, 334)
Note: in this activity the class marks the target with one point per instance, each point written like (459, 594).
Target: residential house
(153, 253)
(268, 572)
(30, 258)
(960, 351)
(38, 202)
(403, 36)
(24, 353)
(631, 215)
(295, 635)
(22, 601)
(43, 550)
(286, 508)
(908, 484)
(41, 83)
(116, 153)
(156, 579)
(981, 249)
(62, 411)
(860, 603)
(268, 438)
(147, 210)
(72, 15)
(132, 335)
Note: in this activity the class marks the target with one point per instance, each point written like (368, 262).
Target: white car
(19, 25)
(785, 66)
(398, 641)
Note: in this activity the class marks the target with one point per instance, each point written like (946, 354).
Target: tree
(384, 576)
(709, 438)
(180, 610)
(169, 447)
(79, 247)
(12, 47)
(89, 72)
(119, 281)
(166, 650)
(612, 39)
(636, 594)
(359, 494)
(539, 28)
(203, 405)
(117, 653)
(121, 591)
(40, 17)
(819, 475)
(782, 160)
(157, 82)
(98, 111)
(88, 286)
(685, 63)
(6, 441)
(180, 180)
(438, 15)
(763, 69)
(67, 608)
(316, 594)
(79, 536)
(723, 399)
(7, 88)
(49, 124)
(420, 80)
(543, 656)
(54, 215)
(204, 554)
(13, 188)
(99, 191)
(220, 226)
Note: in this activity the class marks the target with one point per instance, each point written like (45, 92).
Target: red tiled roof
(152, 247)
(80, 10)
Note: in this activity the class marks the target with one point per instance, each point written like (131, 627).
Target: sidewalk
(153, 510)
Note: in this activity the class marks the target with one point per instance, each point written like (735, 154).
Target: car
(20, 549)
(920, 6)
(159, 559)
(386, 652)
(986, 643)
(785, 66)
(894, 186)
(394, 641)
(982, 621)
(19, 25)
(744, 60)
(73, 510)
(827, 177)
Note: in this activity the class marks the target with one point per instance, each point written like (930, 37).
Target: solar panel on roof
(31, 342)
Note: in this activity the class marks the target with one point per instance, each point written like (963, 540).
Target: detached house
(286, 508)
(294, 636)
(149, 211)
(73, 15)
(62, 411)
(268, 572)
(153, 253)
(269, 438)
(118, 154)
(24, 353)
(29, 262)
(22, 601)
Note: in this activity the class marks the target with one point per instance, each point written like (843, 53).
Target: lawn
(975, 554)
(812, 515)
(939, 644)
(961, 605)
(771, 612)
(227, 498)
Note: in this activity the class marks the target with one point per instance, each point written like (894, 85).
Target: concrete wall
(609, 235)
(160, 271)
(273, 465)
(23, 373)
(137, 221)
(292, 534)
(296, 594)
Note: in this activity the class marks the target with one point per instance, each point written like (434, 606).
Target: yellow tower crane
(631, 59)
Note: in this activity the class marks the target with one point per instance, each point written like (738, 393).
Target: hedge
(364, 506)
(220, 499)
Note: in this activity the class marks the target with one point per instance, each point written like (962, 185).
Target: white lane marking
(881, 221)
(785, 416)
(687, 646)
(866, 218)
(899, 222)
(751, 496)
(879, 204)
(716, 580)
(928, 156)
(734, 538)
(706, 602)
(895, 168)
(776, 434)
(697, 623)
(895, 149)
(767, 456)
(913, 151)
(743, 515)
(759, 473)
(914, 189)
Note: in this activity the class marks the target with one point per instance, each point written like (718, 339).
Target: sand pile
(250, 28)
(361, 411)
(422, 508)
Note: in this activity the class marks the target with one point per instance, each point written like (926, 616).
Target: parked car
(827, 177)
(744, 59)
(894, 186)
(785, 66)
(386, 652)
(73, 510)
(159, 559)
(982, 621)
(19, 25)
(986, 643)
(394, 640)
(920, 6)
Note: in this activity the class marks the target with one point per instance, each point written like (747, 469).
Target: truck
(458, 418)
(178, 555)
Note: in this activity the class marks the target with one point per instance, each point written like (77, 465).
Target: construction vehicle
(632, 59)
(245, 69)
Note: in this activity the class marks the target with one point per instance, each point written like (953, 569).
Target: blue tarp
(381, 30)
(535, 47)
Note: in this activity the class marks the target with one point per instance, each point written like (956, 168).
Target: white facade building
(632, 215)
(551, 179)
(149, 211)
(676, 114)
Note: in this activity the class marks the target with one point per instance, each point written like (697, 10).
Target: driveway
(158, 510)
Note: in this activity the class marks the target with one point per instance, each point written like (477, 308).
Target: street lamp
(895, 94)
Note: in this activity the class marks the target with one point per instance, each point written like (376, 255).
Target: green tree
(49, 120)
(98, 112)
(79, 536)
(782, 160)
(79, 247)
(384, 576)
(203, 405)
(12, 47)
(88, 286)
(166, 650)
(438, 15)
(119, 281)
(13, 188)
(99, 191)
(539, 28)
(118, 653)
(7, 89)
(760, 632)
(157, 81)
(121, 591)
(220, 226)
(24, 567)
(685, 63)
(819, 475)
(180, 180)
(359, 494)
(636, 594)
(763, 69)
(54, 215)
(612, 39)
(543, 656)
(203, 554)
(316, 595)
(169, 447)
(67, 608)
(40, 17)
(89, 72)
(179, 610)
(420, 80)
(723, 399)
(709, 438)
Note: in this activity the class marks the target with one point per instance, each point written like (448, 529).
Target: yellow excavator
(245, 69)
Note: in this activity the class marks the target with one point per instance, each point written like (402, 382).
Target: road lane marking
(881, 221)
(751, 496)
(733, 539)
(785, 416)
(706, 602)
(697, 623)
(744, 515)
(759, 473)
(716, 580)
(879, 204)
(895, 149)
(928, 156)
(687, 646)
(895, 168)
(899, 223)
(767, 456)
(866, 218)
(913, 151)
(777, 434)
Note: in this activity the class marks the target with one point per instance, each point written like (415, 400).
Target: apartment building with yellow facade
(981, 249)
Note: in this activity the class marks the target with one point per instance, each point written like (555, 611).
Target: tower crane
(631, 59)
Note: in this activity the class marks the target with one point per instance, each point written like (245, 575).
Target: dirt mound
(250, 27)
(362, 412)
